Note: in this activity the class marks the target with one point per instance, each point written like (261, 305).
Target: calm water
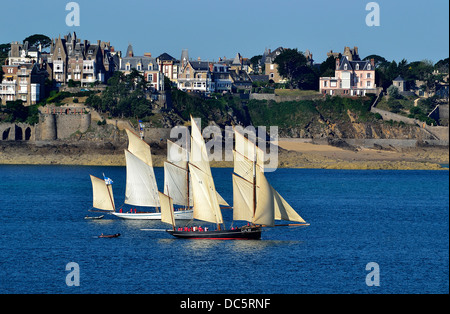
(397, 219)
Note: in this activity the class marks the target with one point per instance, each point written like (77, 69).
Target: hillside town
(48, 84)
(28, 71)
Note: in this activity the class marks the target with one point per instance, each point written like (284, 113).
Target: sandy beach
(308, 155)
(291, 154)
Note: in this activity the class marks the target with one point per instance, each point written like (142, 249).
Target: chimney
(337, 63)
(372, 62)
(199, 59)
(211, 67)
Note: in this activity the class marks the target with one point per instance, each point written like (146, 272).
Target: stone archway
(27, 134)
(19, 135)
(5, 134)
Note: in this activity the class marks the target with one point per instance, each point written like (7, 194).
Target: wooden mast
(110, 198)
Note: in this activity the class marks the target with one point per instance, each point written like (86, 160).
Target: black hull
(248, 233)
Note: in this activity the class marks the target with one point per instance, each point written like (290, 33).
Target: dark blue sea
(396, 219)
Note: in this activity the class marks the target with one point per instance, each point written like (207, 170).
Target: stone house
(168, 66)
(195, 76)
(271, 69)
(400, 83)
(25, 81)
(79, 60)
(146, 65)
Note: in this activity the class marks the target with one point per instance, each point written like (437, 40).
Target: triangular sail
(248, 149)
(198, 155)
(141, 188)
(206, 204)
(206, 200)
(243, 166)
(284, 211)
(102, 194)
(250, 183)
(167, 214)
(242, 199)
(264, 213)
(176, 184)
(177, 155)
(177, 158)
(139, 148)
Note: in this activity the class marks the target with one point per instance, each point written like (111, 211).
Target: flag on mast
(108, 181)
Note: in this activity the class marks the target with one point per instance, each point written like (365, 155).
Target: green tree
(255, 62)
(328, 67)
(292, 65)
(380, 62)
(38, 39)
(442, 66)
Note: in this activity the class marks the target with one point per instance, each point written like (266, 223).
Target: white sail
(176, 184)
(284, 211)
(243, 199)
(264, 214)
(177, 155)
(141, 188)
(248, 150)
(102, 194)
(243, 166)
(206, 204)
(198, 155)
(139, 148)
(167, 214)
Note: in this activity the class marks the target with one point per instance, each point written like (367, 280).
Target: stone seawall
(278, 98)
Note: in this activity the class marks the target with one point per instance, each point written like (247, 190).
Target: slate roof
(166, 57)
(134, 61)
(200, 65)
(353, 65)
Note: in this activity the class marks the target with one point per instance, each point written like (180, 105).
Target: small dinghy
(96, 217)
(109, 235)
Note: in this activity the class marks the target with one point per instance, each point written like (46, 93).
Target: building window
(368, 75)
(357, 66)
(369, 83)
(324, 83)
(345, 67)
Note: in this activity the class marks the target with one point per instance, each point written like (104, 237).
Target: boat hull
(109, 235)
(247, 233)
(181, 214)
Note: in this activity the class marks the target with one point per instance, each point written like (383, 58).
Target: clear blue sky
(414, 29)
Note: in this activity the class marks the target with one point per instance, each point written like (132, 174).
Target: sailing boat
(177, 178)
(141, 188)
(255, 200)
(102, 194)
